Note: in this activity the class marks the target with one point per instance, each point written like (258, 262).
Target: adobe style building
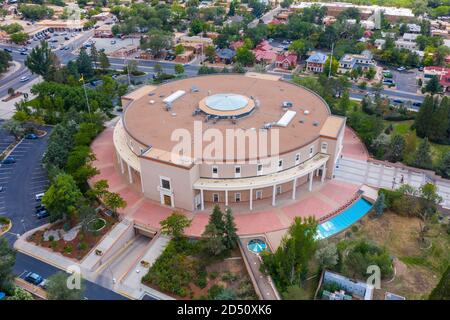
(303, 140)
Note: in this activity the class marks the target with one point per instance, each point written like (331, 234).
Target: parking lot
(405, 80)
(21, 181)
(105, 43)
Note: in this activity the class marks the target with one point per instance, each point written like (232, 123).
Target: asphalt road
(93, 291)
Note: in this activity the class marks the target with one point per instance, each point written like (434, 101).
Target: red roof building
(264, 52)
(286, 61)
(442, 73)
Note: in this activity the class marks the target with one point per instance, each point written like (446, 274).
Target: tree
(158, 68)
(175, 224)
(380, 204)
(289, 264)
(7, 261)
(334, 66)
(5, 58)
(444, 165)
(41, 60)
(210, 54)
(396, 148)
(295, 292)
(85, 214)
(62, 197)
(14, 127)
(84, 64)
(422, 158)
(104, 61)
(344, 102)
(230, 235)
(114, 201)
(327, 255)
(100, 188)
(19, 294)
(179, 49)
(19, 37)
(157, 41)
(179, 69)
(370, 74)
(299, 46)
(217, 218)
(442, 289)
(244, 56)
(94, 55)
(58, 288)
(214, 242)
(433, 86)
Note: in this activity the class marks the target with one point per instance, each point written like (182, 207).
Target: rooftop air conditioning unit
(306, 112)
(287, 104)
(315, 123)
(152, 101)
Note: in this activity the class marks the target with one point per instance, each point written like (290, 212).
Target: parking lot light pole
(23, 224)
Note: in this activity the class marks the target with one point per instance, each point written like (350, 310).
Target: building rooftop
(317, 58)
(148, 122)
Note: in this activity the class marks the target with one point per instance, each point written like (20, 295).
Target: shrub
(213, 275)
(82, 246)
(229, 276)
(53, 244)
(201, 280)
(215, 291)
(68, 249)
(51, 238)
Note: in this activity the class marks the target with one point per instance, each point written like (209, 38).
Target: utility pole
(331, 60)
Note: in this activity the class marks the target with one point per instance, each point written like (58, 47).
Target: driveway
(21, 182)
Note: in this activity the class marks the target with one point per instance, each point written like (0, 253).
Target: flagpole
(86, 96)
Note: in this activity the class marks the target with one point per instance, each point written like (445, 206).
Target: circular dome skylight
(226, 102)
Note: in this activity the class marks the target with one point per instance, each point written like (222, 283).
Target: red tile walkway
(319, 203)
(353, 147)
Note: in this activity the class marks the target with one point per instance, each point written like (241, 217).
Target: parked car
(42, 214)
(7, 50)
(31, 136)
(66, 38)
(1, 189)
(24, 79)
(401, 69)
(39, 207)
(24, 53)
(66, 48)
(34, 278)
(113, 41)
(8, 160)
(39, 196)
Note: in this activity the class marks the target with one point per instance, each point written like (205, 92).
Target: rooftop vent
(152, 101)
(301, 120)
(151, 94)
(306, 112)
(195, 89)
(315, 123)
(174, 114)
(196, 112)
(267, 126)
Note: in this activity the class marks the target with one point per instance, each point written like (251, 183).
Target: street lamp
(23, 224)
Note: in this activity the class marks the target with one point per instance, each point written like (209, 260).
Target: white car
(401, 69)
(24, 79)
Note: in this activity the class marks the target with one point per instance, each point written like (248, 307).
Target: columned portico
(324, 173)
(247, 185)
(129, 174)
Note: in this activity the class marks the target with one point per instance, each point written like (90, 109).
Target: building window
(259, 169)
(215, 172)
(280, 164)
(165, 184)
(215, 197)
(237, 197)
(237, 171)
(311, 151)
(259, 194)
(278, 189)
(324, 147)
(297, 158)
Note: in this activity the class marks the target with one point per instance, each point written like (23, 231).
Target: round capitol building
(302, 140)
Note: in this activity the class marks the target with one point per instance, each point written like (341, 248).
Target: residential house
(353, 61)
(349, 289)
(380, 44)
(185, 57)
(413, 28)
(265, 53)
(408, 45)
(316, 62)
(286, 61)
(225, 55)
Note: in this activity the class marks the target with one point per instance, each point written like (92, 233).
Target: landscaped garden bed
(79, 241)
(184, 271)
(4, 224)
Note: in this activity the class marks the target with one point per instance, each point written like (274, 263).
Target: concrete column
(202, 200)
(251, 199)
(122, 169)
(129, 174)
(294, 187)
(142, 183)
(324, 172)
(311, 176)
(274, 194)
(226, 197)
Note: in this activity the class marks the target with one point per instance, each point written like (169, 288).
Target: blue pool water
(343, 220)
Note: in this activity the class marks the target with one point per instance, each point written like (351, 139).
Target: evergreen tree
(422, 158)
(84, 64)
(104, 61)
(442, 290)
(396, 148)
(380, 204)
(424, 121)
(444, 165)
(217, 219)
(433, 86)
(214, 241)
(230, 236)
